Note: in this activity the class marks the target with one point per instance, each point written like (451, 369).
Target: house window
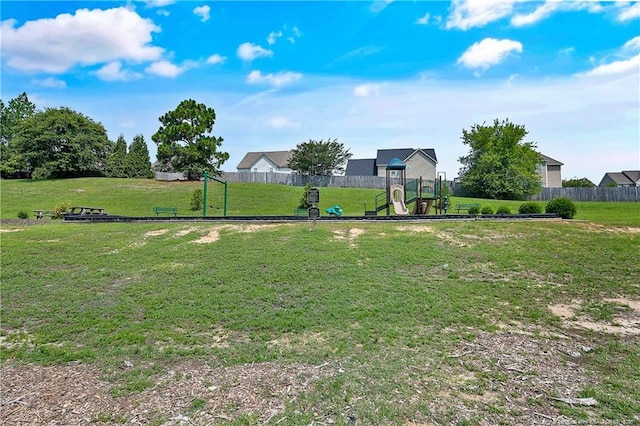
(271, 169)
(255, 170)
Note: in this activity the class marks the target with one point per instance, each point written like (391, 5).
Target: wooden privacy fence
(299, 180)
(598, 193)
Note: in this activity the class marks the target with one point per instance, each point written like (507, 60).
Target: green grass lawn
(379, 323)
(137, 197)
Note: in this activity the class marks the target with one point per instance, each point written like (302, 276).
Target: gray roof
(627, 177)
(279, 158)
(550, 161)
(365, 167)
(386, 155)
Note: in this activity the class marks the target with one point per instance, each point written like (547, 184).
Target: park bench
(168, 210)
(466, 207)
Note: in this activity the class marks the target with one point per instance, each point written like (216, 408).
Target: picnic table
(81, 210)
(42, 213)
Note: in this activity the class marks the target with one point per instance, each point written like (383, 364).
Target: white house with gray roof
(419, 161)
(265, 162)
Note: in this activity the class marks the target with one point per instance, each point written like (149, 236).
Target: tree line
(62, 143)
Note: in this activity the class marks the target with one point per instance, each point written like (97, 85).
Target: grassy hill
(434, 323)
(137, 197)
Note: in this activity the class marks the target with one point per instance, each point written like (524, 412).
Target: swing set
(204, 200)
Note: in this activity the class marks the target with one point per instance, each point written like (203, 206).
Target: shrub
(503, 210)
(23, 215)
(474, 210)
(530, 207)
(487, 210)
(563, 207)
(60, 209)
(196, 199)
(303, 200)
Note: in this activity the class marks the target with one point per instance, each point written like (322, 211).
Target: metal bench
(466, 206)
(168, 210)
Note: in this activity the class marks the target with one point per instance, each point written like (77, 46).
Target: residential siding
(554, 177)
(420, 165)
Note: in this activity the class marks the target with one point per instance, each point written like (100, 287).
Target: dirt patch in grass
(190, 392)
(350, 235)
(512, 376)
(624, 322)
(214, 233)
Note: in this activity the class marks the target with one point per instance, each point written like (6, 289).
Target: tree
(138, 161)
(184, 143)
(116, 163)
(499, 165)
(577, 183)
(61, 143)
(319, 158)
(11, 118)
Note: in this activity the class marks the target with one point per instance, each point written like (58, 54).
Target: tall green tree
(138, 160)
(499, 164)
(319, 158)
(578, 183)
(185, 143)
(62, 143)
(116, 165)
(11, 118)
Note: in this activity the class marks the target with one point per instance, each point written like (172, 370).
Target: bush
(563, 207)
(487, 210)
(303, 201)
(60, 209)
(529, 208)
(23, 215)
(503, 210)
(196, 200)
(474, 210)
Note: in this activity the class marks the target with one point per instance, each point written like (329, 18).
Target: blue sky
(374, 74)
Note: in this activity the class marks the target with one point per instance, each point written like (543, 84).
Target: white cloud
(468, 14)
(113, 72)
(51, 82)
(488, 52)
(367, 89)
(203, 12)
(622, 67)
(540, 13)
(630, 65)
(424, 20)
(249, 51)
(159, 3)
(163, 12)
(629, 12)
(280, 79)
(281, 122)
(216, 59)
(168, 69)
(273, 36)
(633, 44)
(379, 5)
(84, 38)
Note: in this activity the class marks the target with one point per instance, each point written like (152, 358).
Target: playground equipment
(400, 194)
(204, 201)
(335, 211)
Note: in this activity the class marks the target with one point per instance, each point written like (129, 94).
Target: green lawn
(327, 323)
(137, 197)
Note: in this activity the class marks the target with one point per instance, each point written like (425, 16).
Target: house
(550, 172)
(419, 162)
(265, 161)
(624, 178)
